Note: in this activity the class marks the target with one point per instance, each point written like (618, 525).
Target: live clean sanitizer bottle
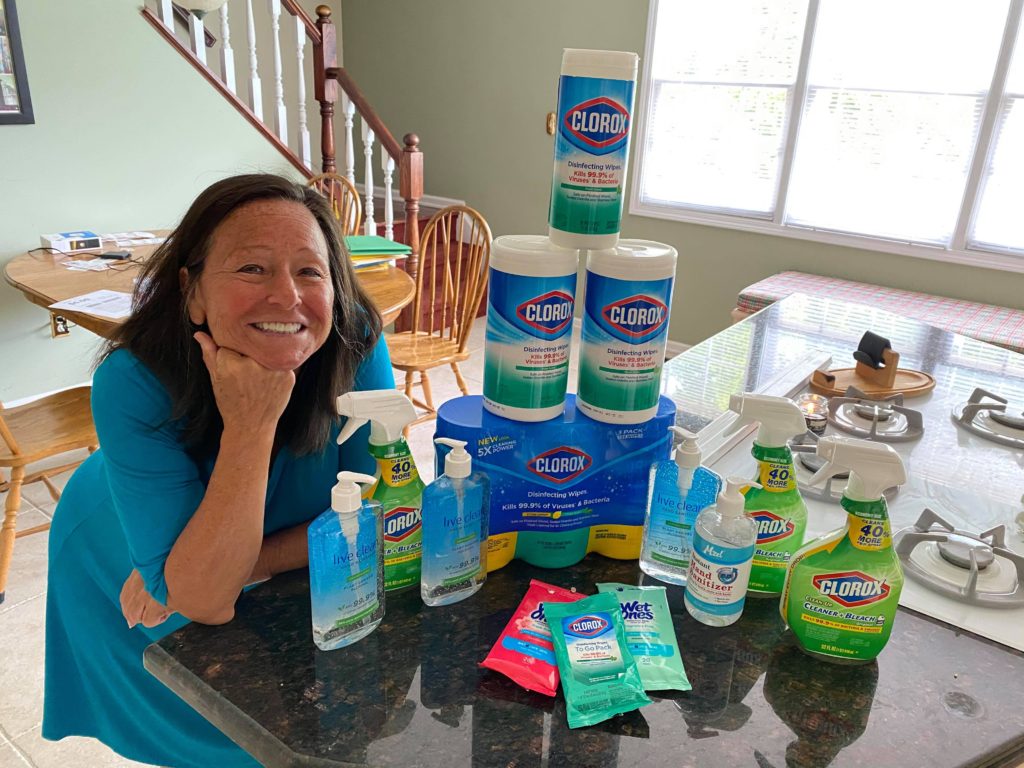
(774, 502)
(456, 513)
(346, 566)
(680, 489)
(398, 487)
(842, 590)
(723, 548)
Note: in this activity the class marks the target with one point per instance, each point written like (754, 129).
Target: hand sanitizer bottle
(723, 549)
(456, 513)
(679, 491)
(346, 566)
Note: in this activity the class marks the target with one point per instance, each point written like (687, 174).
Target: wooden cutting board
(908, 382)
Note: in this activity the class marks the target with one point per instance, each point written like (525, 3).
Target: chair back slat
(455, 252)
(6, 435)
(344, 200)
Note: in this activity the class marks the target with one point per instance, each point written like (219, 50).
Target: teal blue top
(124, 508)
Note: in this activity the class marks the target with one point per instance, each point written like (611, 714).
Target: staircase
(283, 27)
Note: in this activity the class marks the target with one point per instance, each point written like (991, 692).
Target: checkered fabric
(996, 325)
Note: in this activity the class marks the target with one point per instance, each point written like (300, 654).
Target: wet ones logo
(549, 314)
(401, 523)
(851, 589)
(771, 527)
(587, 626)
(636, 316)
(560, 465)
(598, 126)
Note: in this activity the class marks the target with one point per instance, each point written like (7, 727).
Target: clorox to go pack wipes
(530, 303)
(595, 116)
(842, 590)
(625, 330)
(560, 488)
(398, 487)
(599, 675)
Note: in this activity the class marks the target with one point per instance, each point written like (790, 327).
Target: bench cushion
(996, 325)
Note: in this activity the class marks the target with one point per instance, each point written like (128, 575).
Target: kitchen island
(412, 694)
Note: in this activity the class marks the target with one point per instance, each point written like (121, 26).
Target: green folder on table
(361, 246)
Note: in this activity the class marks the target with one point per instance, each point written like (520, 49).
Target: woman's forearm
(214, 556)
(283, 551)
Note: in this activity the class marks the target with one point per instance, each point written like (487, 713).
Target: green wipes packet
(599, 676)
(651, 636)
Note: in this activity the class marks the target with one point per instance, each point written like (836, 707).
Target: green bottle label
(399, 490)
(843, 590)
(781, 517)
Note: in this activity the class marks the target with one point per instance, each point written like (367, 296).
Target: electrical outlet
(59, 326)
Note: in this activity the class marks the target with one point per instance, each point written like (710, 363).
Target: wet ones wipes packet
(599, 676)
(524, 652)
(651, 636)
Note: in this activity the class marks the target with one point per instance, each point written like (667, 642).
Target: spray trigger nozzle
(458, 462)
(388, 411)
(873, 467)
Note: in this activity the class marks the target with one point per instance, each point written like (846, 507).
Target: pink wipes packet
(524, 652)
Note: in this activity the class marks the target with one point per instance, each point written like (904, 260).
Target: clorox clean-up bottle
(842, 590)
(776, 507)
(398, 488)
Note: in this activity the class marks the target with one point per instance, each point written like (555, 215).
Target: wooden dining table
(44, 280)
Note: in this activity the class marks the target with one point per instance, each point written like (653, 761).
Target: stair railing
(331, 85)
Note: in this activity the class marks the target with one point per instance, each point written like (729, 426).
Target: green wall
(126, 135)
(475, 78)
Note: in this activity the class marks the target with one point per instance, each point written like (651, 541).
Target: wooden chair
(45, 427)
(450, 285)
(344, 200)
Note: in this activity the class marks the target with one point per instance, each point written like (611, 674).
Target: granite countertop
(412, 693)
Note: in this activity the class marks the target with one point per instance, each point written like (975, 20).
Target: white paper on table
(104, 303)
(92, 265)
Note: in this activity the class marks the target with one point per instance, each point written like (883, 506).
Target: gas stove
(964, 486)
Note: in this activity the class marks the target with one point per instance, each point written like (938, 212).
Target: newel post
(325, 86)
(410, 181)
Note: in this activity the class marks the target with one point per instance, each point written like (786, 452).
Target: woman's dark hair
(159, 331)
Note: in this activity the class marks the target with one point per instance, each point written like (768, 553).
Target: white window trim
(1008, 261)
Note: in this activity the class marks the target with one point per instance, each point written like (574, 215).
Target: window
(896, 125)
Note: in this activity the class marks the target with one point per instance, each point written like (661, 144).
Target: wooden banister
(311, 29)
(367, 112)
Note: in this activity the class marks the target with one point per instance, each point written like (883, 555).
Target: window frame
(961, 251)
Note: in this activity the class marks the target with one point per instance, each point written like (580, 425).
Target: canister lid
(533, 255)
(634, 260)
(613, 65)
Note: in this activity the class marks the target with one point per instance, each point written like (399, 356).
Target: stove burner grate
(984, 415)
(970, 552)
(890, 421)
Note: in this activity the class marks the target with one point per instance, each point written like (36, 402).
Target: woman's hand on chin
(249, 396)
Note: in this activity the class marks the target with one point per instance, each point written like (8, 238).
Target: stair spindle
(280, 111)
(197, 37)
(300, 54)
(349, 110)
(166, 9)
(227, 55)
(388, 166)
(368, 138)
(255, 86)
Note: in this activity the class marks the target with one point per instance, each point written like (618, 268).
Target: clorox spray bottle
(842, 590)
(776, 507)
(398, 488)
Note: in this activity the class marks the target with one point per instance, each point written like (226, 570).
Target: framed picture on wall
(15, 102)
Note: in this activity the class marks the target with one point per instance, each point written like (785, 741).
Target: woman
(214, 409)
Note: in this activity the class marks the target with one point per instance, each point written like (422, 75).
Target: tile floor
(23, 614)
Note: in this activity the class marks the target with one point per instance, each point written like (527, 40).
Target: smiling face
(265, 290)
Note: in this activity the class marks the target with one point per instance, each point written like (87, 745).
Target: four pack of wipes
(560, 488)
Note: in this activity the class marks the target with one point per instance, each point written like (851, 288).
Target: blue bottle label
(717, 581)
